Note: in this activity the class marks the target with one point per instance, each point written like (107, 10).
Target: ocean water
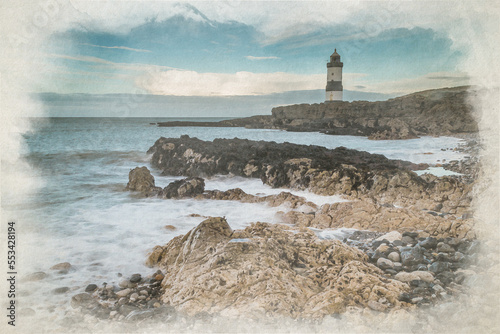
(82, 214)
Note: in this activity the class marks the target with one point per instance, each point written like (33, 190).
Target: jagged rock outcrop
(141, 180)
(435, 112)
(320, 170)
(189, 187)
(271, 270)
(367, 215)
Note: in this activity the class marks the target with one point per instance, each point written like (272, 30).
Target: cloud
(261, 58)
(117, 47)
(115, 65)
(191, 83)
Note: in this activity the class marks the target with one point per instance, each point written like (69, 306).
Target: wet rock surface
(369, 215)
(339, 171)
(268, 269)
(141, 180)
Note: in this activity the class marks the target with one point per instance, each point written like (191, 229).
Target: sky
(244, 48)
(253, 48)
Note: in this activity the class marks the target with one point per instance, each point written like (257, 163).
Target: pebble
(61, 266)
(123, 293)
(390, 237)
(394, 257)
(91, 288)
(412, 257)
(385, 263)
(382, 248)
(439, 267)
(445, 248)
(425, 276)
(135, 278)
(61, 290)
(428, 243)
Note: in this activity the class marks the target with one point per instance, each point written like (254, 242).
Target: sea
(81, 213)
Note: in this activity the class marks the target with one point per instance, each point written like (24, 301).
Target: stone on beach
(415, 275)
(391, 236)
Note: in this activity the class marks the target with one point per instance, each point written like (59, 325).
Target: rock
(391, 236)
(37, 276)
(412, 235)
(141, 180)
(123, 293)
(205, 271)
(84, 300)
(170, 227)
(385, 263)
(382, 249)
(415, 275)
(445, 248)
(428, 243)
(394, 257)
(412, 257)
(438, 267)
(133, 297)
(64, 266)
(91, 288)
(376, 306)
(188, 187)
(408, 240)
(317, 169)
(135, 278)
(61, 290)
(422, 113)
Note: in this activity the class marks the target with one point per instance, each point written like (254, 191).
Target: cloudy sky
(233, 48)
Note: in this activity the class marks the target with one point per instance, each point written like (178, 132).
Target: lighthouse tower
(334, 78)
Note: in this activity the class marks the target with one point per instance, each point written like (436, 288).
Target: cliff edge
(437, 112)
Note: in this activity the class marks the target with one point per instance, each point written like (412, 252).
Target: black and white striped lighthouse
(334, 87)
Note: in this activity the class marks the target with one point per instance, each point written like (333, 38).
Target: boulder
(141, 180)
(267, 269)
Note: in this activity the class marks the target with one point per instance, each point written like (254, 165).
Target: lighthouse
(334, 78)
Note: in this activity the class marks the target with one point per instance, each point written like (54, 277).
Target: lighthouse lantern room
(334, 78)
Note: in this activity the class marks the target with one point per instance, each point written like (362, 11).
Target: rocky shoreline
(408, 241)
(439, 112)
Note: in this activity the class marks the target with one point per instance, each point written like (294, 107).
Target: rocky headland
(437, 112)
